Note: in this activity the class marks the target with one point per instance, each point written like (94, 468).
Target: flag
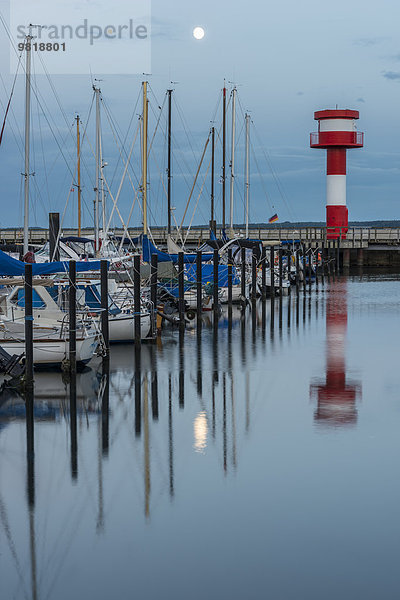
(273, 219)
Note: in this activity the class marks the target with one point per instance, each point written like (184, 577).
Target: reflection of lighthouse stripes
(336, 397)
(336, 329)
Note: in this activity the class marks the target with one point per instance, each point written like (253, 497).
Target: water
(258, 461)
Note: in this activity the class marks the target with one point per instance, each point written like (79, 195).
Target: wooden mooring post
(230, 278)
(243, 275)
(153, 291)
(199, 285)
(264, 274)
(272, 267)
(28, 327)
(104, 307)
(216, 283)
(136, 299)
(72, 318)
(181, 289)
(253, 277)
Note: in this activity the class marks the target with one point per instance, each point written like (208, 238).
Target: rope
(195, 181)
(9, 102)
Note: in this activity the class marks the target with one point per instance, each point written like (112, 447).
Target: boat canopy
(11, 267)
(74, 238)
(148, 249)
(207, 275)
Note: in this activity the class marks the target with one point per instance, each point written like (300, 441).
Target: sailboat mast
(247, 185)
(144, 157)
(212, 224)
(223, 155)
(233, 156)
(102, 194)
(28, 47)
(169, 157)
(96, 189)
(78, 149)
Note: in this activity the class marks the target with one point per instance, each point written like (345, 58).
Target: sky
(286, 59)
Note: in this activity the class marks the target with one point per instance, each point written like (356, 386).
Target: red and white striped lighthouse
(337, 132)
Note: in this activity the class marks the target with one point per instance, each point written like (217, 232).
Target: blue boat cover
(148, 249)
(172, 288)
(11, 267)
(225, 238)
(207, 275)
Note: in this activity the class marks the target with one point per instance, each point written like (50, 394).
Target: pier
(367, 246)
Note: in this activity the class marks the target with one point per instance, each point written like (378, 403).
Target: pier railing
(323, 139)
(357, 237)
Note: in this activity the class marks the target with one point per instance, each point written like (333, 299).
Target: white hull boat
(122, 327)
(49, 349)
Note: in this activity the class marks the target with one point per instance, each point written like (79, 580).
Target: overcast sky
(287, 59)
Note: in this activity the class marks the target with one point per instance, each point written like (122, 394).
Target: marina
(199, 312)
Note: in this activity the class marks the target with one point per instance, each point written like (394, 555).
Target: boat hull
(53, 352)
(122, 328)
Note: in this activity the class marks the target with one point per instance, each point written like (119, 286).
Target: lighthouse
(336, 133)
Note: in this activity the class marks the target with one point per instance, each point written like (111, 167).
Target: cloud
(161, 28)
(392, 75)
(300, 93)
(369, 41)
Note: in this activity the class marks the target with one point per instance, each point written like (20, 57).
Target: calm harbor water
(257, 460)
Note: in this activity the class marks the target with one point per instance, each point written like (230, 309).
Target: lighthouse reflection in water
(336, 396)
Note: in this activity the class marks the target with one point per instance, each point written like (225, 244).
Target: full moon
(198, 33)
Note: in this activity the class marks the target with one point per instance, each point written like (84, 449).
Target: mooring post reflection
(138, 390)
(31, 489)
(215, 352)
(181, 369)
(199, 340)
(154, 382)
(146, 444)
(233, 408)
(243, 336)
(105, 408)
(100, 480)
(224, 424)
(336, 397)
(272, 323)
(73, 425)
(170, 440)
(254, 320)
(263, 320)
(30, 447)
